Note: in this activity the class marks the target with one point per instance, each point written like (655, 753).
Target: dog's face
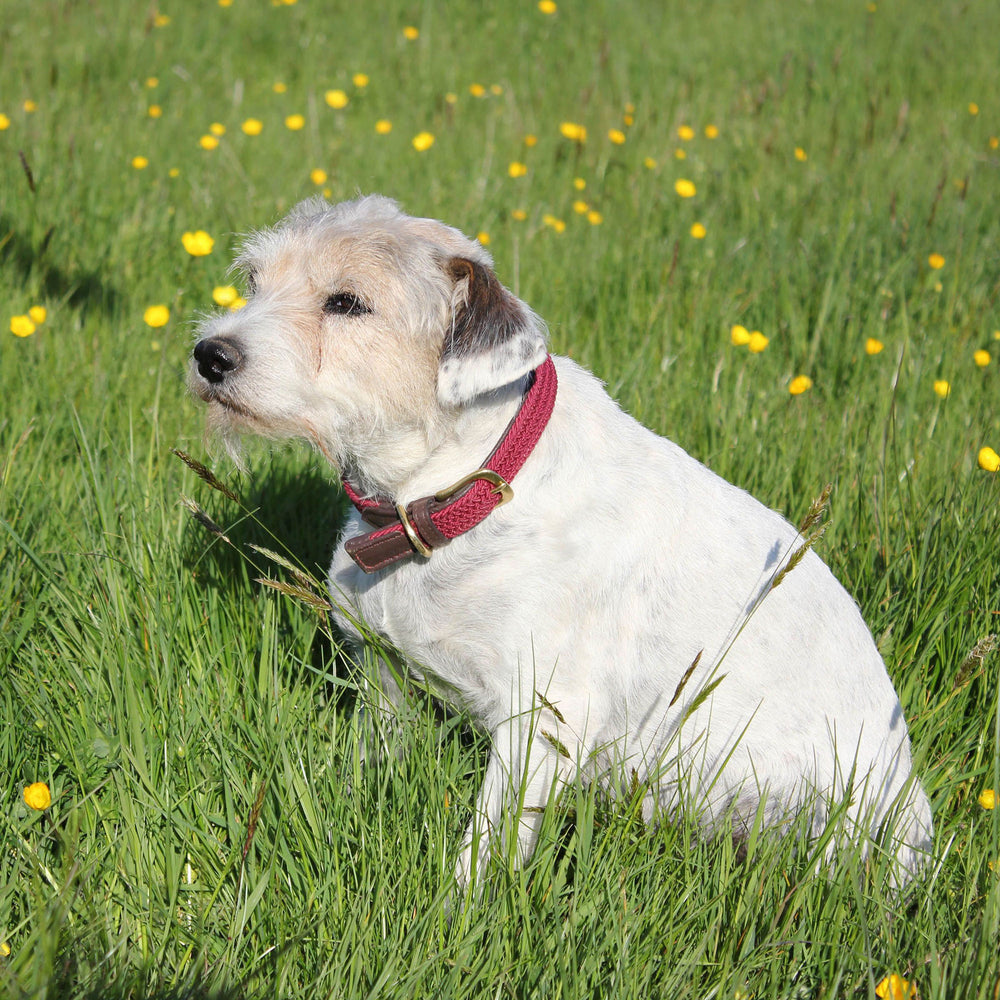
(359, 321)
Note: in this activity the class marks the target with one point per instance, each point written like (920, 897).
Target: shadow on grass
(289, 509)
(296, 512)
(56, 282)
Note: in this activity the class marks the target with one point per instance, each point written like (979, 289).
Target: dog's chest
(444, 623)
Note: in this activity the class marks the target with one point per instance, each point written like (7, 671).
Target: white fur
(564, 623)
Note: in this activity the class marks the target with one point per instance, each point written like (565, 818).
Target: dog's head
(360, 321)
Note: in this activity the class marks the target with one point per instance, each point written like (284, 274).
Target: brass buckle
(411, 533)
(500, 486)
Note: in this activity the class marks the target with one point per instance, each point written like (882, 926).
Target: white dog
(599, 601)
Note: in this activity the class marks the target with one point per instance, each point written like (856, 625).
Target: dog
(598, 601)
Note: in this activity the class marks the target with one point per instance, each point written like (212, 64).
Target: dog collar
(433, 521)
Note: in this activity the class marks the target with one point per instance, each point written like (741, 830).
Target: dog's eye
(344, 304)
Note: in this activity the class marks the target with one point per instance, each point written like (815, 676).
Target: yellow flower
(198, 243)
(208, 142)
(628, 120)
(495, 89)
(801, 155)
(140, 162)
(252, 126)
(685, 133)
(990, 461)
(516, 169)
(530, 140)
(739, 335)
(698, 231)
(4, 949)
(649, 163)
(38, 796)
(224, 295)
(943, 388)
(450, 98)
(279, 87)
(217, 128)
(896, 988)
(152, 81)
(519, 214)
(579, 183)
(30, 107)
(680, 154)
(360, 80)
(410, 33)
(617, 136)
(318, 176)
(800, 384)
(573, 131)
(4, 122)
(173, 172)
(711, 132)
(685, 188)
(37, 314)
(547, 6)
(161, 20)
(22, 326)
(873, 346)
(593, 217)
(757, 342)
(554, 223)
(988, 799)
(423, 141)
(994, 142)
(295, 122)
(484, 238)
(238, 303)
(477, 90)
(981, 358)
(936, 261)
(973, 108)
(155, 111)
(337, 98)
(156, 316)
(580, 207)
(383, 126)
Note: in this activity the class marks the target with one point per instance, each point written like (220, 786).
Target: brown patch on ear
(490, 315)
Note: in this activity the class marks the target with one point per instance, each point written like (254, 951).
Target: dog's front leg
(522, 769)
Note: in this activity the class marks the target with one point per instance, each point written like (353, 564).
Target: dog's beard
(228, 424)
(226, 428)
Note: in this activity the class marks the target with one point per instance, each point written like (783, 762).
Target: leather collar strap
(432, 522)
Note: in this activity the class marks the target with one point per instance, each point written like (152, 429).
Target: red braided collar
(432, 522)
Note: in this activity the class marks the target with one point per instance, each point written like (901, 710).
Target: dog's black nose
(216, 358)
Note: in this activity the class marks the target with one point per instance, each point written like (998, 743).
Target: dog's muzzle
(216, 358)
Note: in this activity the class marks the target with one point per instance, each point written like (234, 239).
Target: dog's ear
(494, 337)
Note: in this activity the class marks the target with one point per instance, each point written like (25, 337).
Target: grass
(211, 833)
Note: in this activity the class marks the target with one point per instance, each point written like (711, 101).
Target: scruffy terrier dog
(596, 599)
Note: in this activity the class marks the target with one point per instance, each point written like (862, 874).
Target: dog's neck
(413, 460)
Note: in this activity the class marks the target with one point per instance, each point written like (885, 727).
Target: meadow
(771, 228)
